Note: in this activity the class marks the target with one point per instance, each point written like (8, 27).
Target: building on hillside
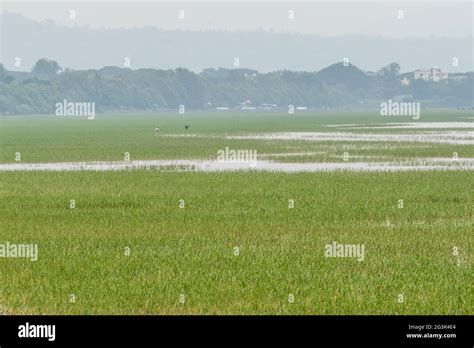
(433, 74)
(267, 106)
(405, 82)
(247, 105)
(422, 74)
(458, 76)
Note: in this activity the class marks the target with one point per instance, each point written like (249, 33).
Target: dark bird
(187, 127)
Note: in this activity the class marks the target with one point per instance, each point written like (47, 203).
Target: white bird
(157, 129)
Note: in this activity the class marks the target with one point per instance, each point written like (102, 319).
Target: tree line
(340, 85)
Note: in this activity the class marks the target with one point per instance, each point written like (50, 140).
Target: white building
(433, 74)
(458, 76)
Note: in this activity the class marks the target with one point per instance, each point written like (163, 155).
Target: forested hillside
(113, 88)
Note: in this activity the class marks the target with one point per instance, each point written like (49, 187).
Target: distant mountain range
(150, 47)
(341, 85)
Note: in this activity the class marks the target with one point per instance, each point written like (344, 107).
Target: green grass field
(108, 137)
(191, 251)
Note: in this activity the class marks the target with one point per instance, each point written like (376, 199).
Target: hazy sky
(421, 18)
